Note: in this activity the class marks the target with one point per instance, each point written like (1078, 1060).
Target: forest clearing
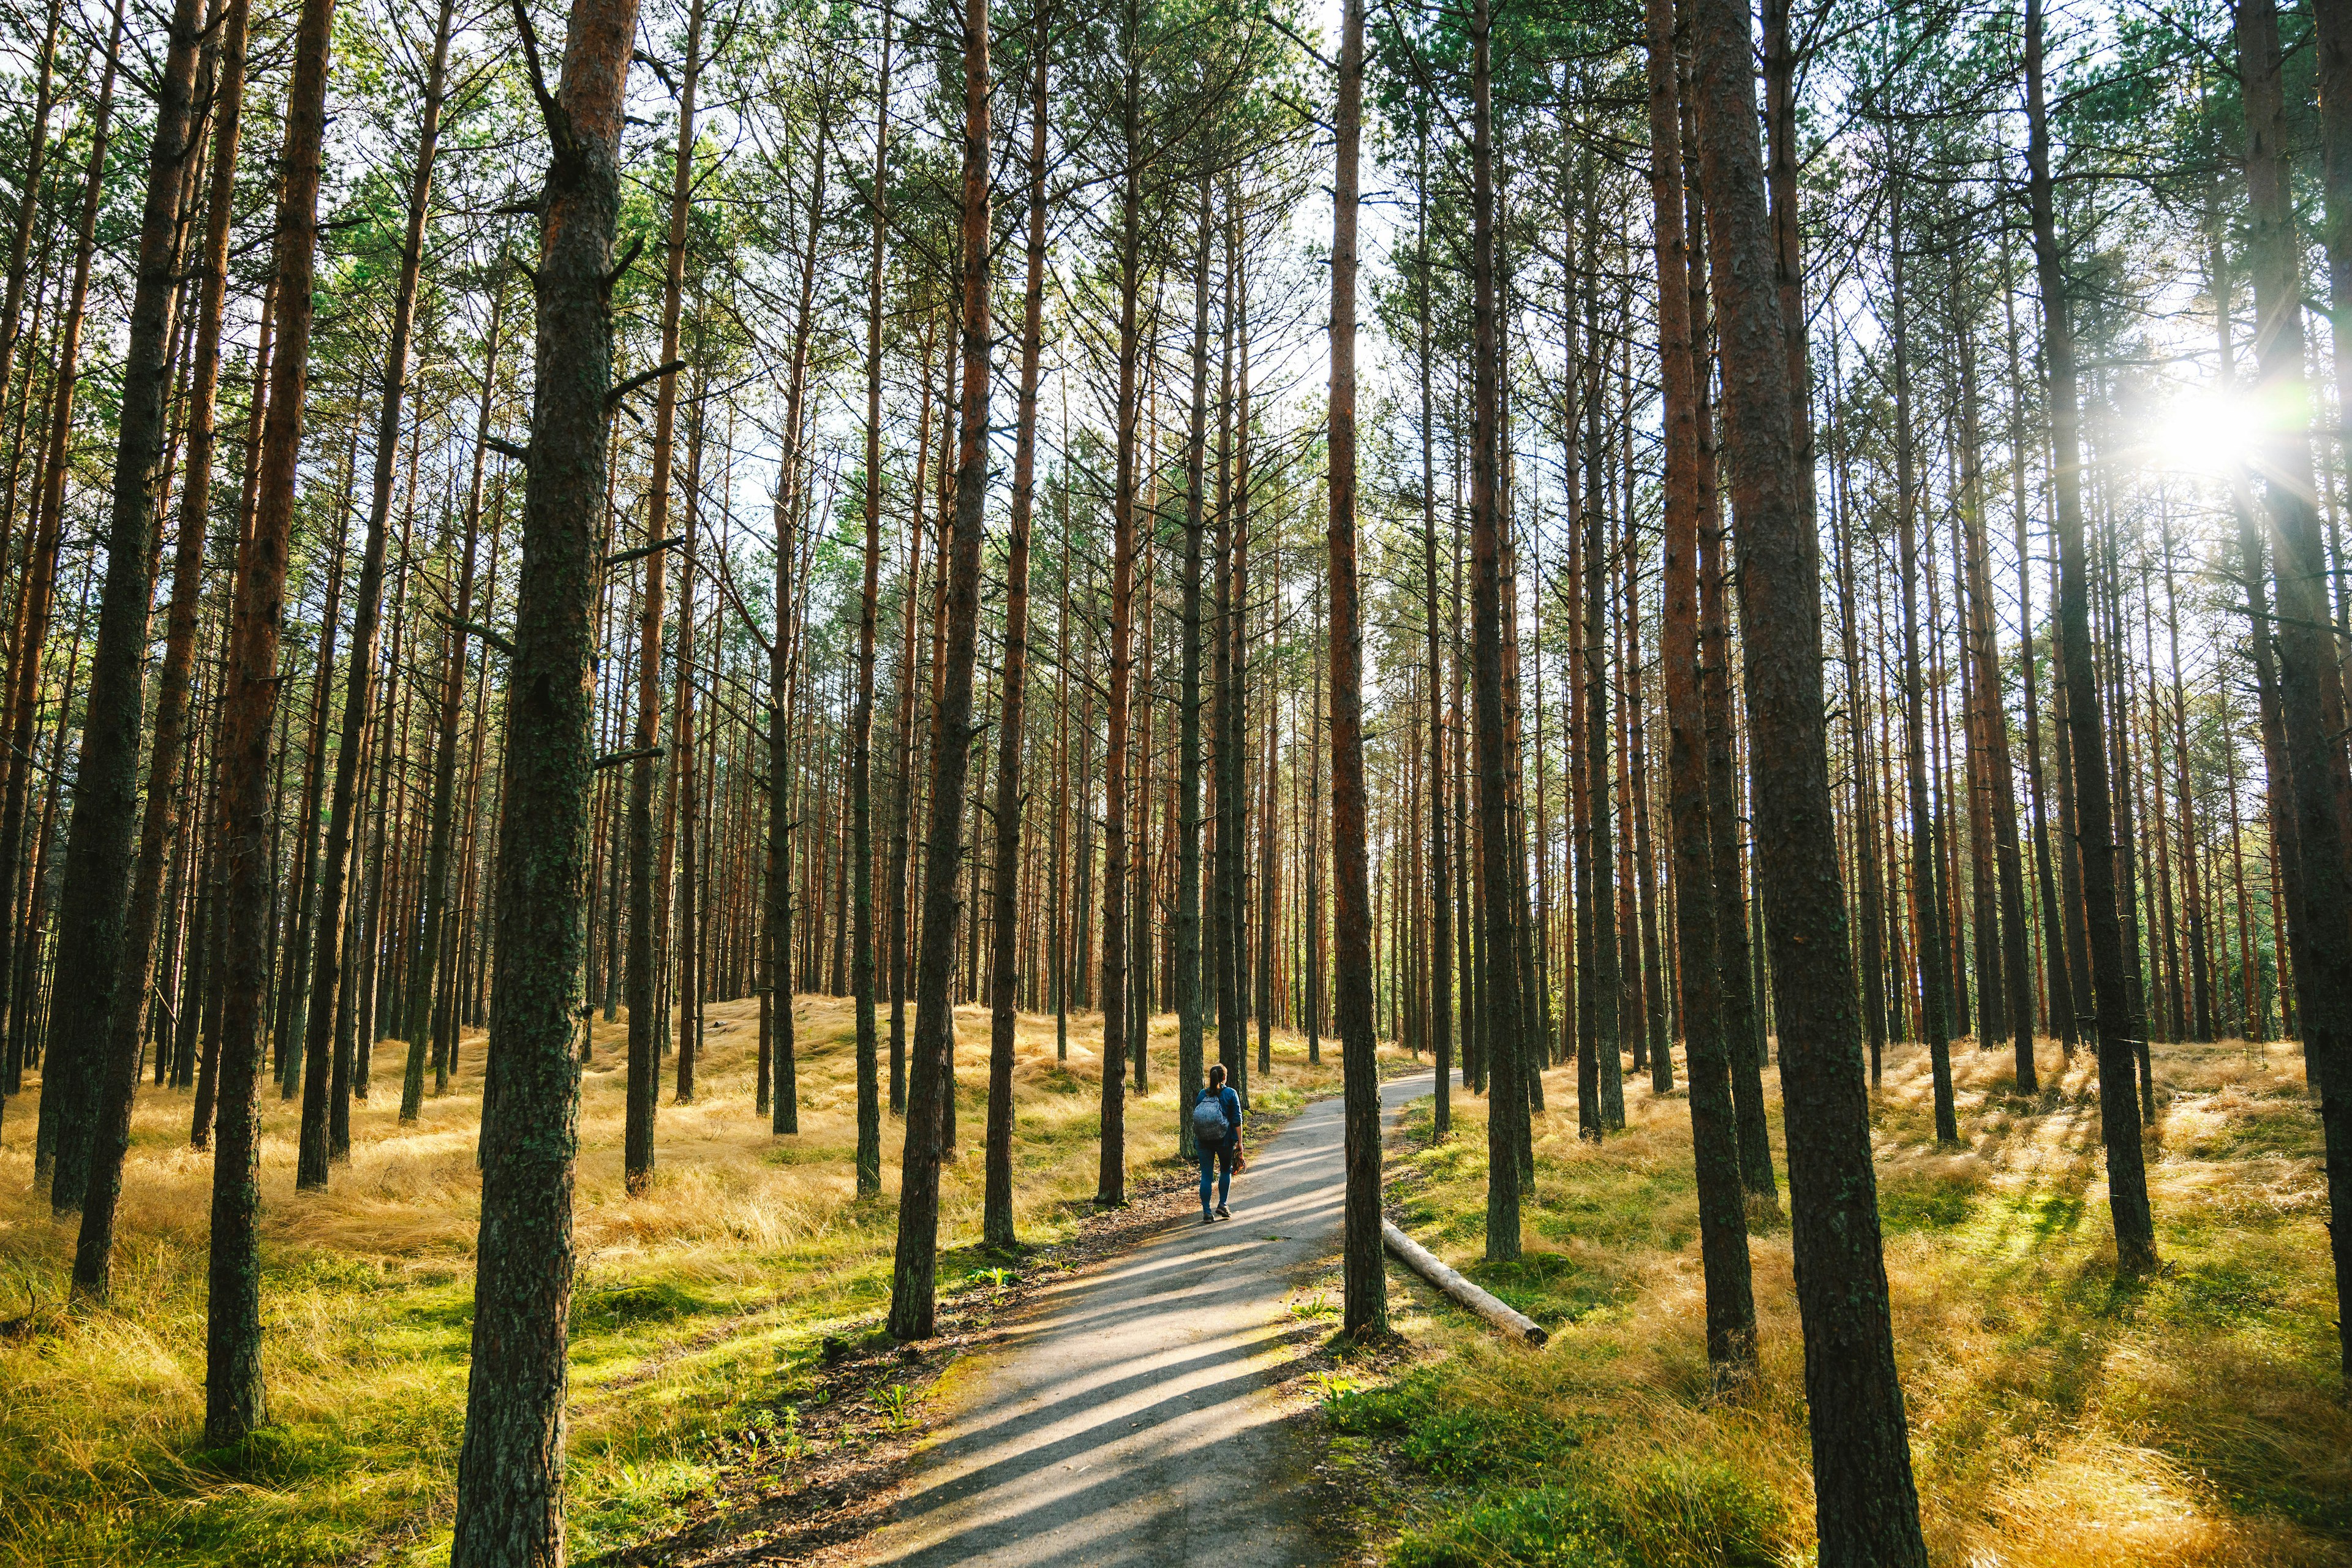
(1493, 784)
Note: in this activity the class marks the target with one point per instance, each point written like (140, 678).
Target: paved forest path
(1124, 1422)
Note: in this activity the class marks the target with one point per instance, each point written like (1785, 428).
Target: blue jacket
(1232, 1107)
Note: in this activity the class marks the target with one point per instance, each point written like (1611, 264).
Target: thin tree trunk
(2119, 1096)
(233, 1391)
(648, 901)
(914, 1272)
(1441, 878)
(326, 970)
(1934, 971)
(1110, 1186)
(861, 723)
(1714, 1133)
(784, 668)
(1189, 1068)
(1365, 1310)
(1502, 991)
(997, 1226)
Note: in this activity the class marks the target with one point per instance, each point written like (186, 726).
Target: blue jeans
(1217, 1164)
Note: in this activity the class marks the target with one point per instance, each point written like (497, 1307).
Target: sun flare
(2204, 431)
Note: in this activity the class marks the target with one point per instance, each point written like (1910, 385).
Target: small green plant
(1311, 1308)
(995, 1279)
(1333, 1387)
(894, 1403)
(790, 1442)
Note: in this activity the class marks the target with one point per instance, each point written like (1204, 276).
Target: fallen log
(1515, 1325)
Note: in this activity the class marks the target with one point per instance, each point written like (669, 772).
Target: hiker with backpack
(1217, 1135)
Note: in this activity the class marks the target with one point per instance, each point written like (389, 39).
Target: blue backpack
(1209, 1123)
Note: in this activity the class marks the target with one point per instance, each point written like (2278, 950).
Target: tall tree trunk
(140, 421)
(1934, 970)
(1501, 1000)
(783, 669)
(1189, 1043)
(1742, 1037)
(1441, 878)
(1365, 1310)
(685, 767)
(99, 1062)
(427, 959)
(326, 970)
(2119, 1096)
(233, 1394)
(861, 723)
(510, 1469)
(648, 900)
(1867, 1507)
(28, 205)
(65, 1093)
(2054, 925)
(914, 1273)
(1715, 1134)
(1981, 646)
(997, 1226)
(2310, 690)
(1110, 1185)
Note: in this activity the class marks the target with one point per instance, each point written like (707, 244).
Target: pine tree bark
(1111, 1184)
(510, 1469)
(2127, 1202)
(1005, 983)
(1928, 905)
(112, 1035)
(1190, 1066)
(861, 723)
(783, 671)
(1867, 1507)
(1441, 876)
(686, 764)
(233, 1388)
(648, 888)
(327, 964)
(1715, 1134)
(1363, 1270)
(1501, 992)
(28, 202)
(88, 984)
(914, 1275)
(66, 1094)
(2310, 688)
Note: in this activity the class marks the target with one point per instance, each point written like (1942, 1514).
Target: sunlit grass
(694, 1303)
(2057, 1417)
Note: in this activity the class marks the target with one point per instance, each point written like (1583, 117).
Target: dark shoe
(1221, 1213)
(1207, 1218)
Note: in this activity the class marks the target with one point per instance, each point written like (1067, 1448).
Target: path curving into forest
(1126, 1420)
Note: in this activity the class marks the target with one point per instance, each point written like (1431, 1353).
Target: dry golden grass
(693, 1300)
(2058, 1417)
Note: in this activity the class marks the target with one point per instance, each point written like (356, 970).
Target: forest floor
(723, 1324)
(2059, 1417)
(724, 1357)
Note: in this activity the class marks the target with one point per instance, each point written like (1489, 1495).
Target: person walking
(1217, 1134)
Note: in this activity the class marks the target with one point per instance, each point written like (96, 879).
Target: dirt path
(1126, 1420)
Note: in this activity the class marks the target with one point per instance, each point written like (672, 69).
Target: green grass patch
(2058, 1413)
